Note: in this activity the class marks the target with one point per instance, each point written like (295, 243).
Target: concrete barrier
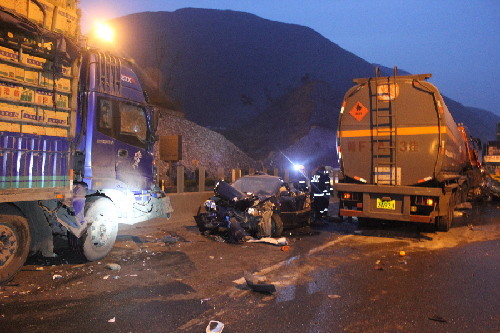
(186, 204)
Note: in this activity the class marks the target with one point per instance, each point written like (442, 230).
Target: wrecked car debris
(253, 206)
(258, 283)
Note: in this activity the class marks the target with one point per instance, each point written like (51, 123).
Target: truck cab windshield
(123, 121)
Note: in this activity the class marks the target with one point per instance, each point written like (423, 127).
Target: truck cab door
(133, 160)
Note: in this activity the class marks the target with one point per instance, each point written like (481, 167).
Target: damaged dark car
(253, 206)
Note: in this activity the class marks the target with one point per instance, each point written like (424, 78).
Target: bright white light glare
(298, 167)
(104, 31)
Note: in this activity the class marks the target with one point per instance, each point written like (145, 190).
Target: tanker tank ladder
(383, 129)
(109, 74)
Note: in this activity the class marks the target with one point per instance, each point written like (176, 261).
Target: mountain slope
(263, 84)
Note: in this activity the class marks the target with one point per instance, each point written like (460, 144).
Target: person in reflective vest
(320, 193)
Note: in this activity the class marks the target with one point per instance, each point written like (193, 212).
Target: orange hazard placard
(358, 111)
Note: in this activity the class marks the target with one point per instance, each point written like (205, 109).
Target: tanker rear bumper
(363, 202)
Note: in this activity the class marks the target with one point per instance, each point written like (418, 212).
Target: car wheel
(276, 225)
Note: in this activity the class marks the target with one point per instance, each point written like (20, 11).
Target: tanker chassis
(402, 156)
(76, 138)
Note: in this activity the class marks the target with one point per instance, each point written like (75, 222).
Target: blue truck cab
(76, 139)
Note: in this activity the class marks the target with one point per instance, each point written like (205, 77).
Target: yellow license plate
(391, 205)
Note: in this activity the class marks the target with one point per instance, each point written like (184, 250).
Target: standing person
(299, 179)
(320, 192)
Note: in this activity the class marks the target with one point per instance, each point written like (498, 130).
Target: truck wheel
(100, 236)
(276, 225)
(443, 223)
(15, 242)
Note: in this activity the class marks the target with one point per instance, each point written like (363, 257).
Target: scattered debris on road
(214, 326)
(169, 239)
(275, 241)
(113, 267)
(258, 283)
(438, 319)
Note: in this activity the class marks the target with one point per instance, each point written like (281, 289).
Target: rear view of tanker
(402, 156)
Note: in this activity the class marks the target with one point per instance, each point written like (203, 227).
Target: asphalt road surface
(335, 277)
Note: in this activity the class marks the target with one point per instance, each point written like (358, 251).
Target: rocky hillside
(267, 86)
(201, 146)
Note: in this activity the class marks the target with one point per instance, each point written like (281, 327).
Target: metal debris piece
(438, 318)
(257, 283)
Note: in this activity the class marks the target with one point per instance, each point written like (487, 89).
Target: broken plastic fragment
(112, 320)
(214, 326)
(56, 276)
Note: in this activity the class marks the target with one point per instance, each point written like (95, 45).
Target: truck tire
(276, 225)
(443, 223)
(100, 236)
(15, 242)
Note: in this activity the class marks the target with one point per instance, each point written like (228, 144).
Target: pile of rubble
(202, 147)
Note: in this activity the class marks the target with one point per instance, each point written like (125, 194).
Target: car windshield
(261, 185)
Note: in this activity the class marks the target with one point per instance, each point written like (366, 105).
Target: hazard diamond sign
(358, 111)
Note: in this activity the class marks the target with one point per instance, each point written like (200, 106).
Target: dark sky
(458, 41)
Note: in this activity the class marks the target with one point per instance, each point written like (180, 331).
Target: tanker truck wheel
(444, 223)
(15, 242)
(100, 236)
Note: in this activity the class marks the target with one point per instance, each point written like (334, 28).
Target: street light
(104, 32)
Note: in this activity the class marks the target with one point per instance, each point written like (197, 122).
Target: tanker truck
(402, 156)
(76, 138)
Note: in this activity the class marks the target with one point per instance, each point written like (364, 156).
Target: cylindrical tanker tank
(402, 156)
(398, 131)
